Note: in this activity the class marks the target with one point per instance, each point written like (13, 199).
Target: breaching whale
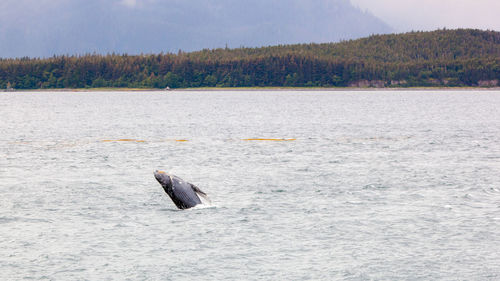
(184, 194)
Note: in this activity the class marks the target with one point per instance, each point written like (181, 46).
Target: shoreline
(257, 89)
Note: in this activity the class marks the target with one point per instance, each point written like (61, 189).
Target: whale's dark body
(185, 195)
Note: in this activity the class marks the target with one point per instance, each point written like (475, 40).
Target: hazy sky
(405, 15)
(47, 27)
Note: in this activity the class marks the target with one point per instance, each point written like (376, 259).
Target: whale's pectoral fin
(200, 192)
(197, 189)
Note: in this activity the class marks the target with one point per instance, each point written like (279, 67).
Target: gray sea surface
(305, 185)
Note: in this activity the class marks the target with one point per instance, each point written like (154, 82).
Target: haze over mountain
(409, 15)
(42, 28)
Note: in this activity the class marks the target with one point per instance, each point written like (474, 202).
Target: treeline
(439, 58)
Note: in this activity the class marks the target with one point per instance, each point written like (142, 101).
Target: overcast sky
(404, 15)
(41, 28)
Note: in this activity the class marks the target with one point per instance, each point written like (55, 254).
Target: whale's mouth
(163, 178)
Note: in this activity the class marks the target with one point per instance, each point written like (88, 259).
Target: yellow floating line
(181, 140)
(256, 139)
(124, 140)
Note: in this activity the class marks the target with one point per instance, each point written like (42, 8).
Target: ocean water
(320, 185)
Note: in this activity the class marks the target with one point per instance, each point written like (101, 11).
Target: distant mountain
(42, 28)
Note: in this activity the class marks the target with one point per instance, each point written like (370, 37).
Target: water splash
(264, 139)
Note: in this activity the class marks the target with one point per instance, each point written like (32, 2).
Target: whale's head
(164, 179)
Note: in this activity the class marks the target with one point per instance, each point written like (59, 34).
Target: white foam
(203, 206)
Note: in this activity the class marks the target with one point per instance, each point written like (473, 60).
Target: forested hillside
(440, 58)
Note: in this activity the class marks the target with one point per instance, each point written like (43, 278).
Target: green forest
(442, 58)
